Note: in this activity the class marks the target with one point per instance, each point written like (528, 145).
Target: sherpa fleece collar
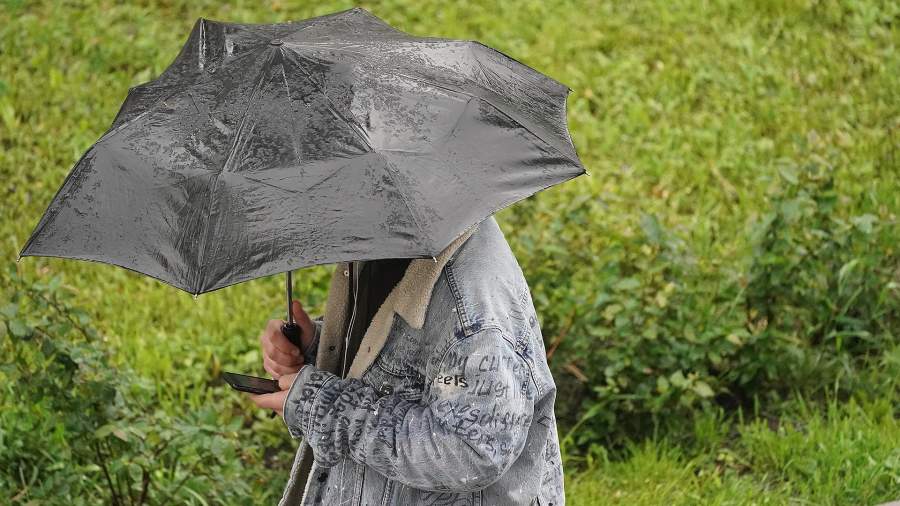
(409, 299)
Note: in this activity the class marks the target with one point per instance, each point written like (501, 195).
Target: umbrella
(267, 148)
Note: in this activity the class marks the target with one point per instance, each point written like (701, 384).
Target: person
(426, 382)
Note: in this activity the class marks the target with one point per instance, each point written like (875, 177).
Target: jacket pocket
(401, 494)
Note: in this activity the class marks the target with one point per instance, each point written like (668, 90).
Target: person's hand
(275, 401)
(280, 357)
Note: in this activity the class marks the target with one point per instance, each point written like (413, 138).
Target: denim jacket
(449, 400)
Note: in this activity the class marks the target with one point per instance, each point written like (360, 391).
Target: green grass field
(693, 112)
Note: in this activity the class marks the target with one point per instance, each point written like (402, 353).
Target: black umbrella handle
(292, 332)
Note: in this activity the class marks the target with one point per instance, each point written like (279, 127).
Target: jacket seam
(387, 492)
(360, 482)
(469, 332)
(457, 299)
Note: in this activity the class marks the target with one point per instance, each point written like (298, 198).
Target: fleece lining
(409, 299)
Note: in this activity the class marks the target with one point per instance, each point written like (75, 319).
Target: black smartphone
(250, 384)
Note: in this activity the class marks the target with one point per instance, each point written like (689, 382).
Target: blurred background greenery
(720, 297)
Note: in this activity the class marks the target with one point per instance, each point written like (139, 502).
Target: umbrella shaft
(287, 287)
(290, 329)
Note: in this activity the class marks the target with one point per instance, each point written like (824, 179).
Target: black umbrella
(267, 148)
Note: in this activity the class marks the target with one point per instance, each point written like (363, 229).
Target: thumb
(304, 322)
(300, 315)
(286, 381)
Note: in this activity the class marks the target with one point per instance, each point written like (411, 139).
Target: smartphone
(250, 384)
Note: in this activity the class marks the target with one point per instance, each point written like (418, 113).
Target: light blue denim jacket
(449, 400)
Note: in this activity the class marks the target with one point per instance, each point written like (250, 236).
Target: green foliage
(657, 336)
(736, 241)
(818, 306)
(75, 429)
(734, 249)
(847, 454)
(822, 292)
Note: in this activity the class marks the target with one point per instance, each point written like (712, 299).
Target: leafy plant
(822, 291)
(75, 427)
(650, 334)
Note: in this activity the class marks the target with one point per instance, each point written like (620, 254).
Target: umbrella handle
(292, 332)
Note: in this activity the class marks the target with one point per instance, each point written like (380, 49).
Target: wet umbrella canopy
(266, 148)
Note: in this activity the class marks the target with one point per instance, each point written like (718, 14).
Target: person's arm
(466, 432)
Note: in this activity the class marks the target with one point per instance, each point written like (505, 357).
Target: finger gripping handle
(292, 332)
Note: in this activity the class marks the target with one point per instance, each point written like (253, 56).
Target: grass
(687, 110)
(849, 454)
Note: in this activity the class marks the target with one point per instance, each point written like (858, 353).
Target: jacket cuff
(300, 400)
(311, 351)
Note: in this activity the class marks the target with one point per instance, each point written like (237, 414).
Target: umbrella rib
(287, 89)
(459, 118)
(264, 183)
(289, 191)
(496, 108)
(354, 125)
(53, 210)
(507, 59)
(240, 129)
(205, 173)
(209, 77)
(387, 168)
(215, 178)
(252, 30)
(398, 73)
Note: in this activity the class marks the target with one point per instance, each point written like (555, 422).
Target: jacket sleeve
(464, 434)
(311, 351)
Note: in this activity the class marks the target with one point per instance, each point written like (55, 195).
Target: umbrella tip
(195, 296)
(434, 259)
(18, 258)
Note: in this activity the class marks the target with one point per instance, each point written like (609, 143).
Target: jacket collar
(409, 299)
(413, 291)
